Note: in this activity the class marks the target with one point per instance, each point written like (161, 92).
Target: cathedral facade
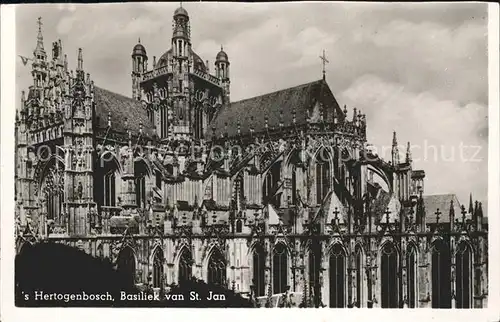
(272, 194)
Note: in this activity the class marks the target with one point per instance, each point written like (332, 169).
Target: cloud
(444, 135)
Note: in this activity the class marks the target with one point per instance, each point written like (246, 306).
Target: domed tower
(139, 66)
(222, 71)
(181, 33)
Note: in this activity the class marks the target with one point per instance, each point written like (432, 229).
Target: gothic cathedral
(272, 194)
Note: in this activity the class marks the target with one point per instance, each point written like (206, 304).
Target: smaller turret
(222, 71)
(139, 66)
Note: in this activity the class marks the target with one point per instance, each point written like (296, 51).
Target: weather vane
(325, 61)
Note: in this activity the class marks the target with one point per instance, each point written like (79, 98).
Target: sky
(418, 69)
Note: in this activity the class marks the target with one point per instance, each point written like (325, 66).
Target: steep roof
(126, 113)
(442, 202)
(299, 98)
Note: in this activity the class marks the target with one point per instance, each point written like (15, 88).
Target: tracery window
(158, 268)
(337, 277)
(259, 266)
(217, 269)
(53, 190)
(270, 185)
(107, 195)
(389, 280)
(314, 269)
(411, 275)
(359, 277)
(140, 173)
(441, 266)
(322, 175)
(464, 278)
(185, 266)
(199, 123)
(280, 269)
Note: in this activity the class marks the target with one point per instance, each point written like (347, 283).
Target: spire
(39, 39)
(80, 59)
(395, 151)
(471, 207)
(65, 62)
(408, 153)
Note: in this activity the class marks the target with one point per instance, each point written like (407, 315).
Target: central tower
(180, 95)
(181, 49)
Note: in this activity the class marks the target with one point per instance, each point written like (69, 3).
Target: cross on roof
(324, 61)
(438, 213)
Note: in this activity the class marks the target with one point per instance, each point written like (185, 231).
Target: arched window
(185, 266)
(126, 265)
(259, 267)
(280, 269)
(359, 277)
(337, 277)
(270, 185)
(163, 121)
(140, 173)
(217, 269)
(464, 278)
(158, 268)
(53, 190)
(389, 280)
(107, 196)
(441, 266)
(239, 226)
(411, 275)
(314, 269)
(322, 175)
(158, 179)
(294, 185)
(199, 123)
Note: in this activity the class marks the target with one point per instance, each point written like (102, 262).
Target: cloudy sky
(417, 69)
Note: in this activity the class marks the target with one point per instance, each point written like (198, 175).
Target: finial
(408, 153)
(345, 109)
(80, 59)
(221, 48)
(39, 22)
(139, 40)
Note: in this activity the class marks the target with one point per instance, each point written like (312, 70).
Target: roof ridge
(281, 90)
(114, 93)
